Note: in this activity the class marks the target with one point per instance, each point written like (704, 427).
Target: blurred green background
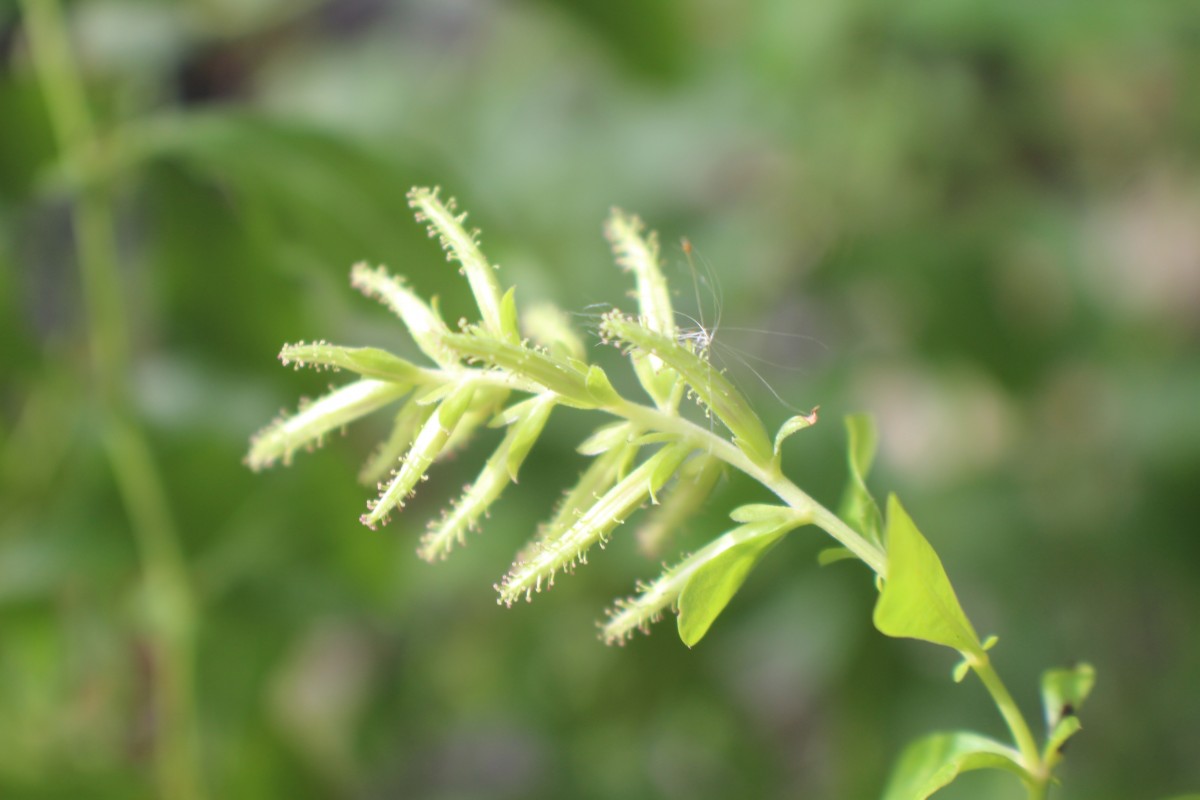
(978, 220)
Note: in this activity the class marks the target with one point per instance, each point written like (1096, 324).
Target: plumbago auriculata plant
(511, 372)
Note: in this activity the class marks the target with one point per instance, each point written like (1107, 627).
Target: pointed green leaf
(832, 555)
(478, 497)
(664, 471)
(599, 387)
(714, 583)
(933, 762)
(721, 397)
(484, 405)
(858, 508)
(525, 433)
(1063, 693)
(768, 512)
(917, 600)
(1064, 690)
(526, 364)
(796, 423)
(508, 314)
(604, 439)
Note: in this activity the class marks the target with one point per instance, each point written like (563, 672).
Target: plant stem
(1015, 720)
(167, 595)
(772, 479)
(864, 549)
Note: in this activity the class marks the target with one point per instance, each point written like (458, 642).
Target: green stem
(167, 593)
(869, 552)
(771, 478)
(1015, 720)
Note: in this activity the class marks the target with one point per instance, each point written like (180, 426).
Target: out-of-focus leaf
(832, 555)
(328, 195)
(858, 508)
(1063, 693)
(933, 762)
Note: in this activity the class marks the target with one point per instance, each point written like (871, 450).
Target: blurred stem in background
(166, 603)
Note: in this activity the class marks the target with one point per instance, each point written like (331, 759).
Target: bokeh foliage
(984, 214)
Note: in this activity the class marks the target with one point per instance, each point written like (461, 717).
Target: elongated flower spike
(651, 452)
(409, 419)
(639, 254)
(525, 423)
(308, 426)
(593, 526)
(462, 246)
(762, 526)
(709, 385)
(425, 449)
(614, 453)
(682, 500)
(369, 362)
(424, 324)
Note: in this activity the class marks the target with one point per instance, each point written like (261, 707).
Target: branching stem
(772, 479)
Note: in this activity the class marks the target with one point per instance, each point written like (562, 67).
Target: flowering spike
(423, 322)
(497, 472)
(640, 255)
(409, 419)
(716, 392)
(370, 362)
(462, 245)
(551, 556)
(529, 364)
(282, 438)
(638, 612)
(428, 445)
(604, 471)
(696, 481)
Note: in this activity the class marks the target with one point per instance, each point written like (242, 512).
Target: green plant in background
(499, 373)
